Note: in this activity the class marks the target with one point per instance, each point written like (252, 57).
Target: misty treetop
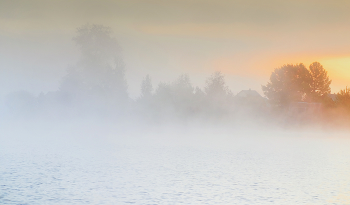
(97, 44)
(320, 82)
(343, 99)
(100, 73)
(295, 83)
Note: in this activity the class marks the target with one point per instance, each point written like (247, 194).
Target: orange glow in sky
(245, 40)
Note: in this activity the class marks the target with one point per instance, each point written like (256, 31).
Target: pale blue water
(292, 171)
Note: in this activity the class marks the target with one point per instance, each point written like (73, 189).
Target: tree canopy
(343, 98)
(100, 71)
(96, 43)
(295, 83)
(320, 82)
(215, 86)
(289, 83)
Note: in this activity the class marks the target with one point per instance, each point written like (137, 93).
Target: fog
(92, 123)
(90, 161)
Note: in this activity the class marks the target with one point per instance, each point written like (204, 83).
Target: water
(228, 170)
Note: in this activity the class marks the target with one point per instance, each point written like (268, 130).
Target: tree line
(96, 86)
(295, 83)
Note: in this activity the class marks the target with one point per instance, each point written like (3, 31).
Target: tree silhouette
(100, 73)
(215, 86)
(218, 97)
(175, 99)
(96, 43)
(343, 98)
(182, 88)
(289, 83)
(320, 82)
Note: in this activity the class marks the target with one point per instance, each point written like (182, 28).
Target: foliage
(97, 83)
(96, 43)
(215, 86)
(343, 98)
(289, 83)
(320, 84)
(100, 72)
(178, 95)
(218, 97)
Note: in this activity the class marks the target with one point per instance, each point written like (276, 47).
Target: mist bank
(93, 139)
(95, 90)
(175, 104)
(100, 160)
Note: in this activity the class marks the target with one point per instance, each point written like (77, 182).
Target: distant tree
(289, 83)
(199, 94)
(146, 88)
(182, 87)
(218, 97)
(97, 44)
(178, 92)
(100, 72)
(320, 82)
(215, 86)
(343, 98)
(176, 98)
(163, 93)
(199, 100)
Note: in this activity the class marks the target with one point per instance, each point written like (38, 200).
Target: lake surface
(219, 168)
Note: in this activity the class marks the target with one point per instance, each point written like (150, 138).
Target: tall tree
(289, 83)
(182, 87)
(215, 86)
(96, 43)
(100, 73)
(217, 95)
(320, 82)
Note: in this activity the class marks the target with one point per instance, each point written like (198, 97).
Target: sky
(244, 39)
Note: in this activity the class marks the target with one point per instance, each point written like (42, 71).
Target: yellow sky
(245, 40)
